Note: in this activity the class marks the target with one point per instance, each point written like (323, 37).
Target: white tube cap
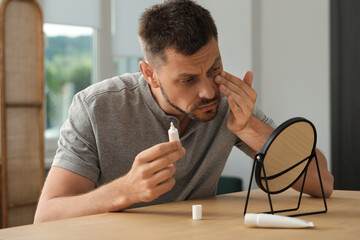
(196, 212)
(251, 219)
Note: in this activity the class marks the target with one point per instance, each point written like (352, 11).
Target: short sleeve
(260, 115)
(77, 150)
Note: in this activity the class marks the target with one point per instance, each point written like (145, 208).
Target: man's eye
(187, 81)
(216, 69)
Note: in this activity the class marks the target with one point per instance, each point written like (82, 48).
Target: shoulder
(112, 86)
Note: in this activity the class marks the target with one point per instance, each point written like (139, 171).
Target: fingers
(163, 175)
(150, 193)
(246, 83)
(248, 78)
(241, 91)
(159, 183)
(163, 180)
(152, 173)
(230, 89)
(241, 98)
(165, 186)
(235, 108)
(157, 151)
(163, 162)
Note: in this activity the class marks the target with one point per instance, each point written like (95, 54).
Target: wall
(286, 44)
(293, 62)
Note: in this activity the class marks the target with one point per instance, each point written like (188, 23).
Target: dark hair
(181, 25)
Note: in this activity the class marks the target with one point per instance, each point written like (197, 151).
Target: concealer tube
(275, 221)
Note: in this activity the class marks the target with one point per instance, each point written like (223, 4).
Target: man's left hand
(241, 97)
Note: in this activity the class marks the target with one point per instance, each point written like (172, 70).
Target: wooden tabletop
(222, 219)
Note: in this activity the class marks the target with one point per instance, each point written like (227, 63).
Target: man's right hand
(152, 173)
(67, 194)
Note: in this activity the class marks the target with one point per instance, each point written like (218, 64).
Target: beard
(207, 116)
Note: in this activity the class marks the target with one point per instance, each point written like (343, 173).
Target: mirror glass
(286, 154)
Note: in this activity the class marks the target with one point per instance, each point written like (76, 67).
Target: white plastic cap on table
(196, 212)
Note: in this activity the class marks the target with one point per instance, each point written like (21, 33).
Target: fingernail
(223, 74)
(218, 79)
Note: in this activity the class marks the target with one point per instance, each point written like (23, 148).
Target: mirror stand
(259, 160)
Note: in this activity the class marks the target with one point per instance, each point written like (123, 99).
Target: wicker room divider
(22, 118)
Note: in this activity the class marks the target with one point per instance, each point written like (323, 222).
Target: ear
(148, 73)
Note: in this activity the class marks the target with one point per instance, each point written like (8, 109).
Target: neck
(168, 109)
(184, 124)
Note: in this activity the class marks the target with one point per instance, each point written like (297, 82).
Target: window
(68, 69)
(127, 65)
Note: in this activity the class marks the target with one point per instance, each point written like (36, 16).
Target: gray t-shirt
(112, 121)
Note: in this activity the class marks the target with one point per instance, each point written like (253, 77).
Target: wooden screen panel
(21, 215)
(21, 55)
(22, 120)
(23, 155)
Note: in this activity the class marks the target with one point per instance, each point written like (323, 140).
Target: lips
(208, 107)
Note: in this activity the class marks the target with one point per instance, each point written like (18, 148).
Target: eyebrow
(195, 75)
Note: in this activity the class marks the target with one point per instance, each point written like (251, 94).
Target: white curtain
(73, 12)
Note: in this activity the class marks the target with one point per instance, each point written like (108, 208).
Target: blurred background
(288, 45)
(305, 56)
(285, 43)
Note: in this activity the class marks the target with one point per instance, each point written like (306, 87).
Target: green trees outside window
(68, 70)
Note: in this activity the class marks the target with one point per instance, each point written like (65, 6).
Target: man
(114, 152)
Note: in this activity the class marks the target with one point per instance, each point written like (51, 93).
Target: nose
(207, 88)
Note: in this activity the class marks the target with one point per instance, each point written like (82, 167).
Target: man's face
(187, 82)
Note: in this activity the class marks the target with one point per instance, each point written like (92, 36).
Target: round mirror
(285, 155)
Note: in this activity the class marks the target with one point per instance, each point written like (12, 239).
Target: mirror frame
(258, 167)
(262, 153)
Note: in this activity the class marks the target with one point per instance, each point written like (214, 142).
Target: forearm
(312, 184)
(255, 134)
(67, 194)
(101, 200)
